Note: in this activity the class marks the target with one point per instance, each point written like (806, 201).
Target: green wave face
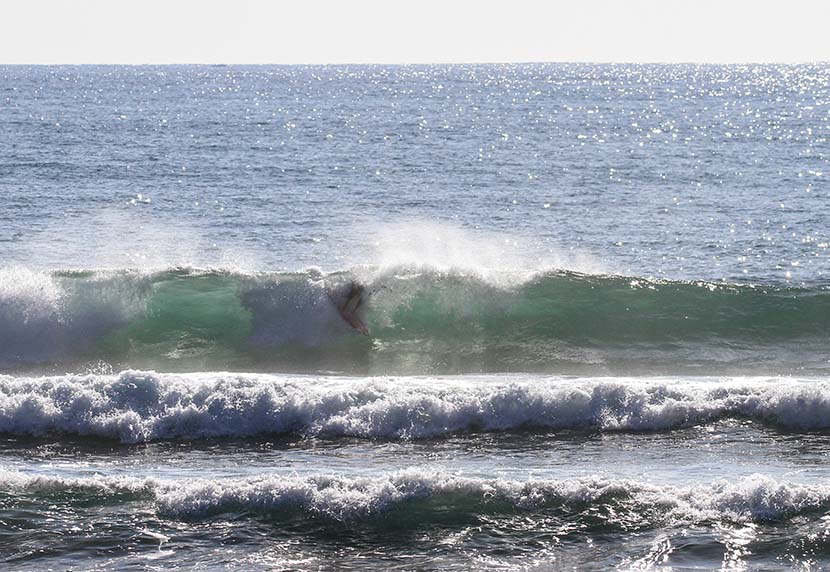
(604, 310)
(421, 321)
(572, 322)
(197, 319)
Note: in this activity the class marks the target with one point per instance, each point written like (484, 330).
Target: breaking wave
(421, 496)
(140, 406)
(421, 320)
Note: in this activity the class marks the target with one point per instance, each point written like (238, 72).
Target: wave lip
(137, 406)
(420, 493)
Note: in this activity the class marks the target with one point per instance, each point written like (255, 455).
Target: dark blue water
(597, 302)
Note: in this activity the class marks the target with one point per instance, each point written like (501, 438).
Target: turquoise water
(597, 299)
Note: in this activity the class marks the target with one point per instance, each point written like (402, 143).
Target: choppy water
(598, 307)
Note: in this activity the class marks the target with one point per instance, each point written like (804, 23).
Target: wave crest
(422, 495)
(422, 320)
(137, 406)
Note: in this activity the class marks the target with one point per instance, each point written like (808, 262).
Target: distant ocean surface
(597, 296)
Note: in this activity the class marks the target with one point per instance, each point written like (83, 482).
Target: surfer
(350, 305)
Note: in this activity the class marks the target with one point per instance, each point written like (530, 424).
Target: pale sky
(423, 31)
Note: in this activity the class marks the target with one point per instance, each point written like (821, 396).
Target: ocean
(597, 300)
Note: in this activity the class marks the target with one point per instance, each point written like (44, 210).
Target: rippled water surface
(596, 297)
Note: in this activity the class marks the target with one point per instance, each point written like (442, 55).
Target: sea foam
(625, 502)
(140, 406)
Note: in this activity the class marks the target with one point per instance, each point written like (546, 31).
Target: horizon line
(425, 63)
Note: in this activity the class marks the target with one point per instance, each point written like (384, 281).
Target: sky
(405, 31)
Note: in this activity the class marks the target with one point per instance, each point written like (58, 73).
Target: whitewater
(140, 406)
(596, 296)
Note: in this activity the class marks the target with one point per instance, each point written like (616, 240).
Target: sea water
(597, 296)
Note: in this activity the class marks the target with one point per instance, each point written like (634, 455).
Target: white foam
(45, 318)
(343, 498)
(30, 305)
(137, 406)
